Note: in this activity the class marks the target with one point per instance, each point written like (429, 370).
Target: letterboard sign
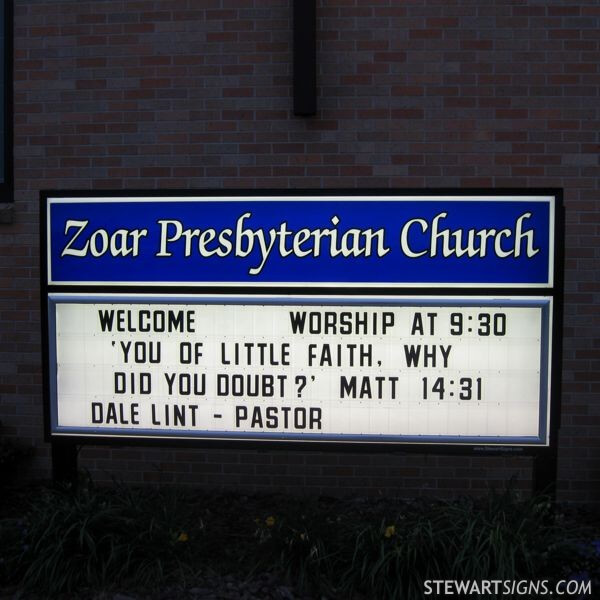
(408, 319)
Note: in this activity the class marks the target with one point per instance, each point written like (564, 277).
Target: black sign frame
(7, 181)
(545, 453)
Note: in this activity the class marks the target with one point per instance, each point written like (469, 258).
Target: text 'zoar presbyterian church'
(417, 238)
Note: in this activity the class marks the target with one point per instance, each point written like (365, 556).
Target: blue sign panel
(379, 241)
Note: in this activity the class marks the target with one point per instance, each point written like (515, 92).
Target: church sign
(410, 319)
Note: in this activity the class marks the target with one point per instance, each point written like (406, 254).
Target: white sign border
(546, 302)
(550, 199)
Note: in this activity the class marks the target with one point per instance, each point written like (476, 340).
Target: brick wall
(418, 93)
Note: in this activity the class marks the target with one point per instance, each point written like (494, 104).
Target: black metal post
(545, 472)
(305, 58)
(64, 463)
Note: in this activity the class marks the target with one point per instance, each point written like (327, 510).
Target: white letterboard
(393, 370)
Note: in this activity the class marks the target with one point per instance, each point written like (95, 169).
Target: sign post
(390, 320)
